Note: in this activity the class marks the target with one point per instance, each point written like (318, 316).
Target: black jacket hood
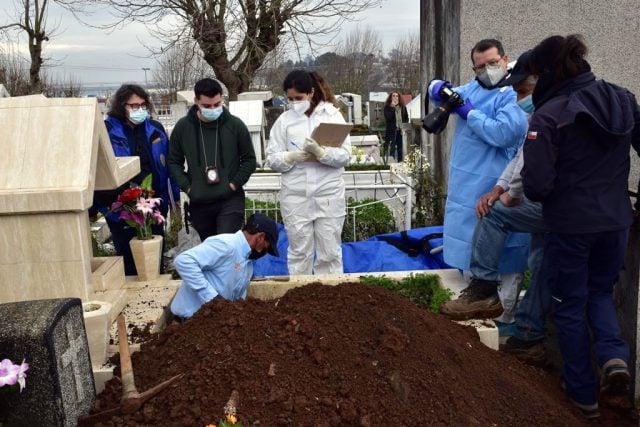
(608, 105)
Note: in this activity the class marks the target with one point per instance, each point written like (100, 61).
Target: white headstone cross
(71, 356)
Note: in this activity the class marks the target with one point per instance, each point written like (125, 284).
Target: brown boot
(531, 352)
(479, 300)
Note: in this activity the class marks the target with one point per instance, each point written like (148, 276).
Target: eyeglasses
(492, 63)
(136, 106)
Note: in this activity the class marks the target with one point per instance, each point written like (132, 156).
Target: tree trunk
(35, 50)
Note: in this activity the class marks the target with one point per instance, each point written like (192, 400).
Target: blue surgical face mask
(138, 116)
(211, 114)
(526, 104)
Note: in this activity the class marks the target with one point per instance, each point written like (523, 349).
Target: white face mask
(491, 76)
(300, 107)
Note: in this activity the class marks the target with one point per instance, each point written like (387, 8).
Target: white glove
(292, 157)
(311, 146)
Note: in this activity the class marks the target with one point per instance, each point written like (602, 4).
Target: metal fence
(384, 186)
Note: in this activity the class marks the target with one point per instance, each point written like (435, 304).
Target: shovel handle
(126, 368)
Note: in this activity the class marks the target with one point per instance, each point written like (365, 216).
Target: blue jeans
(581, 270)
(488, 243)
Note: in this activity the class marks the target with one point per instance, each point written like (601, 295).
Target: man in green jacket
(219, 158)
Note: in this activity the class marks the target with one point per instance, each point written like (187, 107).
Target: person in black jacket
(576, 162)
(395, 113)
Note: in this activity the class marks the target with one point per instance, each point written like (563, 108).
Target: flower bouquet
(137, 207)
(12, 375)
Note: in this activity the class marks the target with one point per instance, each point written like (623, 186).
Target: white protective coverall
(312, 199)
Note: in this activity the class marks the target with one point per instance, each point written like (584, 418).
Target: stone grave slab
(50, 336)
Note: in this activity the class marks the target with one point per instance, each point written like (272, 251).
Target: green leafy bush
(376, 218)
(270, 209)
(423, 289)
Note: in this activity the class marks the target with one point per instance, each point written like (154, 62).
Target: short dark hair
(119, 100)
(487, 44)
(207, 87)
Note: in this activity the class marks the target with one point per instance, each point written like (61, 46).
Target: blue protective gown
(482, 147)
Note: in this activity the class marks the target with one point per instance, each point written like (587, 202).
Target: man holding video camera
(490, 128)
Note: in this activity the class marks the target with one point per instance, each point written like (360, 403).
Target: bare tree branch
(235, 36)
(31, 19)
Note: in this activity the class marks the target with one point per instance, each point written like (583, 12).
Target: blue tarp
(401, 251)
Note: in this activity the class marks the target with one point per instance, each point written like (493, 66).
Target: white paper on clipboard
(331, 134)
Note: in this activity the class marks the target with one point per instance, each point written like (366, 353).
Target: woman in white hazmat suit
(312, 199)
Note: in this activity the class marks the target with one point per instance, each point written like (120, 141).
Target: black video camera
(436, 121)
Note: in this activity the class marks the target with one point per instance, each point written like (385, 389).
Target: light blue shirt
(482, 147)
(218, 266)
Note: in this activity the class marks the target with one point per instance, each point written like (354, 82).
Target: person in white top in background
(312, 198)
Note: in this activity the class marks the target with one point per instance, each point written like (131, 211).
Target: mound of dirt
(336, 355)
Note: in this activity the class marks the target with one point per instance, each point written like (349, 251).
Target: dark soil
(349, 355)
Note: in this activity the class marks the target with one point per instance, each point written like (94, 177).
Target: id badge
(211, 175)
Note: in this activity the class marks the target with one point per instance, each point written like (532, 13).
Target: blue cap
(259, 222)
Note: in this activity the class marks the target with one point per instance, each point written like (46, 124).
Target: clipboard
(331, 134)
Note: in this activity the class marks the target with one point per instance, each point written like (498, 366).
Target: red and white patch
(532, 135)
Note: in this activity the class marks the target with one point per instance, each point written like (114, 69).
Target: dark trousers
(582, 270)
(396, 147)
(224, 216)
(121, 234)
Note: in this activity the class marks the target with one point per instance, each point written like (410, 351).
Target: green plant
(174, 226)
(355, 168)
(526, 280)
(423, 289)
(371, 218)
(428, 208)
(270, 209)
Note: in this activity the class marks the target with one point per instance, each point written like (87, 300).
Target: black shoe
(479, 300)
(588, 411)
(615, 384)
(532, 352)
(615, 379)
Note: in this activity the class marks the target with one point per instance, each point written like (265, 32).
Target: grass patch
(423, 289)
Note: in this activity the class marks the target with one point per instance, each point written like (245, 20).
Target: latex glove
(487, 200)
(292, 157)
(312, 147)
(465, 109)
(435, 86)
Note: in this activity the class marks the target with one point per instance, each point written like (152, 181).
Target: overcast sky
(97, 57)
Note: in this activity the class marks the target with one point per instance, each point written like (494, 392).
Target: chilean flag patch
(532, 135)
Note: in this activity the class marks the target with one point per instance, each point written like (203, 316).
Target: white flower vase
(146, 255)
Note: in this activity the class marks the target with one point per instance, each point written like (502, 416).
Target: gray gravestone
(50, 336)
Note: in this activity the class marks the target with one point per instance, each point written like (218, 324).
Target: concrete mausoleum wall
(611, 30)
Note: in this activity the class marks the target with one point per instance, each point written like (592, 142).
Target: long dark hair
(118, 101)
(387, 103)
(303, 81)
(563, 57)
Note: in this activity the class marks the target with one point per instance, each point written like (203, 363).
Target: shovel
(131, 400)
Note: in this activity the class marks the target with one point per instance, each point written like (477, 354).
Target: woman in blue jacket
(134, 133)
(576, 162)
